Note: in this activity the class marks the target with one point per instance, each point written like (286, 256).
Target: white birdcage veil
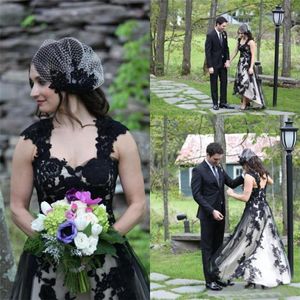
(69, 65)
(246, 155)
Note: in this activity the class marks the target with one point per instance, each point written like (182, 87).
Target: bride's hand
(250, 71)
(230, 192)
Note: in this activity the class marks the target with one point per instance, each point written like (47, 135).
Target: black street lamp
(288, 140)
(277, 19)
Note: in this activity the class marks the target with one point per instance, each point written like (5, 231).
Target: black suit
(216, 55)
(210, 196)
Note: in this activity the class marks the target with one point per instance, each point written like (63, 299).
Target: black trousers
(212, 233)
(222, 74)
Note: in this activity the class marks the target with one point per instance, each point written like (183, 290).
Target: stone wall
(92, 22)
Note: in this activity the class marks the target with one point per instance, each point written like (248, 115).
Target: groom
(208, 180)
(217, 59)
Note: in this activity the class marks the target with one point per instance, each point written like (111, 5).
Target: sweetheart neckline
(82, 165)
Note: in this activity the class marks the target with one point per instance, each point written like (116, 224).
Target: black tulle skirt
(122, 278)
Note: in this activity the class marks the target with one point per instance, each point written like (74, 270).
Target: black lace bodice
(245, 53)
(53, 177)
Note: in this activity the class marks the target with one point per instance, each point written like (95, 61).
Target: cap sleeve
(38, 133)
(109, 130)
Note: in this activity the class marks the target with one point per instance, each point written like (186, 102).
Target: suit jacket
(206, 190)
(216, 54)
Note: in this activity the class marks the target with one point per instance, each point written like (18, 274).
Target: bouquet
(72, 234)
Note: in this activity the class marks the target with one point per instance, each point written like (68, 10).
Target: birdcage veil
(69, 65)
(246, 155)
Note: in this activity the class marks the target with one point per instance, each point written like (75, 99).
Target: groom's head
(221, 24)
(214, 153)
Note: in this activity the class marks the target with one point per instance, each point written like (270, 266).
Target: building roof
(193, 150)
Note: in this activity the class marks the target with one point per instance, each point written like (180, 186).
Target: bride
(255, 251)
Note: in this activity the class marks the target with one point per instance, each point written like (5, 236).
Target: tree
(286, 51)
(186, 61)
(7, 264)
(259, 34)
(160, 40)
(211, 24)
(219, 137)
(165, 180)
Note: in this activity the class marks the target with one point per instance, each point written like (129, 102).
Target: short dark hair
(214, 148)
(221, 20)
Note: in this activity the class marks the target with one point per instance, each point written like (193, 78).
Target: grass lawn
(173, 58)
(287, 98)
(164, 261)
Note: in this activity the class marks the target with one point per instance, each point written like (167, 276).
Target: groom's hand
(227, 64)
(217, 215)
(211, 70)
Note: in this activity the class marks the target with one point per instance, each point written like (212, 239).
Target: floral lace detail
(117, 277)
(249, 247)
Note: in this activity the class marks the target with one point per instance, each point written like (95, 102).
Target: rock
(11, 14)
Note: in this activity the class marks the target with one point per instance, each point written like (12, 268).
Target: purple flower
(85, 197)
(70, 214)
(66, 232)
(70, 195)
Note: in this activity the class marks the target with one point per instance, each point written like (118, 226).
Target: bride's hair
(255, 164)
(245, 30)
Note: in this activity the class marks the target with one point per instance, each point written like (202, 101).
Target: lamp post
(288, 140)
(277, 19)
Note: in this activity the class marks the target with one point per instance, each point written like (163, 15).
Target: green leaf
(104, 247)
(112, 237)
(88, 230)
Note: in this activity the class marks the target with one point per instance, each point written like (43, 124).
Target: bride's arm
(132, 182)
(21, 185)
(248, 187)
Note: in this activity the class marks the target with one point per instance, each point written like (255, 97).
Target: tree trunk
(7, 265)
(186, 61)
(283, 185)
(286, 51)
(160, 41)
(259, 34)
(219, 137)
(211, 24)
(152, 63)
(165, 180)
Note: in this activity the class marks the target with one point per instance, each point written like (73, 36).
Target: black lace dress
(121, 277)
(245, 84)
(255, 251)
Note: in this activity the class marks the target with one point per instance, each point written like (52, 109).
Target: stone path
(186, 97)
(164, 287)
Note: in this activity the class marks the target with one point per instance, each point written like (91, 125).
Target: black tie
(221, 38)
(216, 173)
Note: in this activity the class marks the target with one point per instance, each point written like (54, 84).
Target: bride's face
(46, 98)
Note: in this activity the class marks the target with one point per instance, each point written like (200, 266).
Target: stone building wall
(92, 22)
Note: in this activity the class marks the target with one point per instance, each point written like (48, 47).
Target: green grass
(164, 261)
(287, 99)
(198, 55)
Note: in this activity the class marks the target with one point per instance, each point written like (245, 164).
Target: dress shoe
(215, 107)
(221, 283)
(213, 286)
(226, 106)
(230, 283)
(250, 285)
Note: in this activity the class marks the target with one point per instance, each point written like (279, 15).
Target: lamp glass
(289, 139)
(276, 18)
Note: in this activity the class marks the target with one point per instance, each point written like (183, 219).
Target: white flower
(96, 230)
(80, 206)
(91, 246)
(45, 207)
(81, 222)
(38, 223)
(81, 240)
(63, 202)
